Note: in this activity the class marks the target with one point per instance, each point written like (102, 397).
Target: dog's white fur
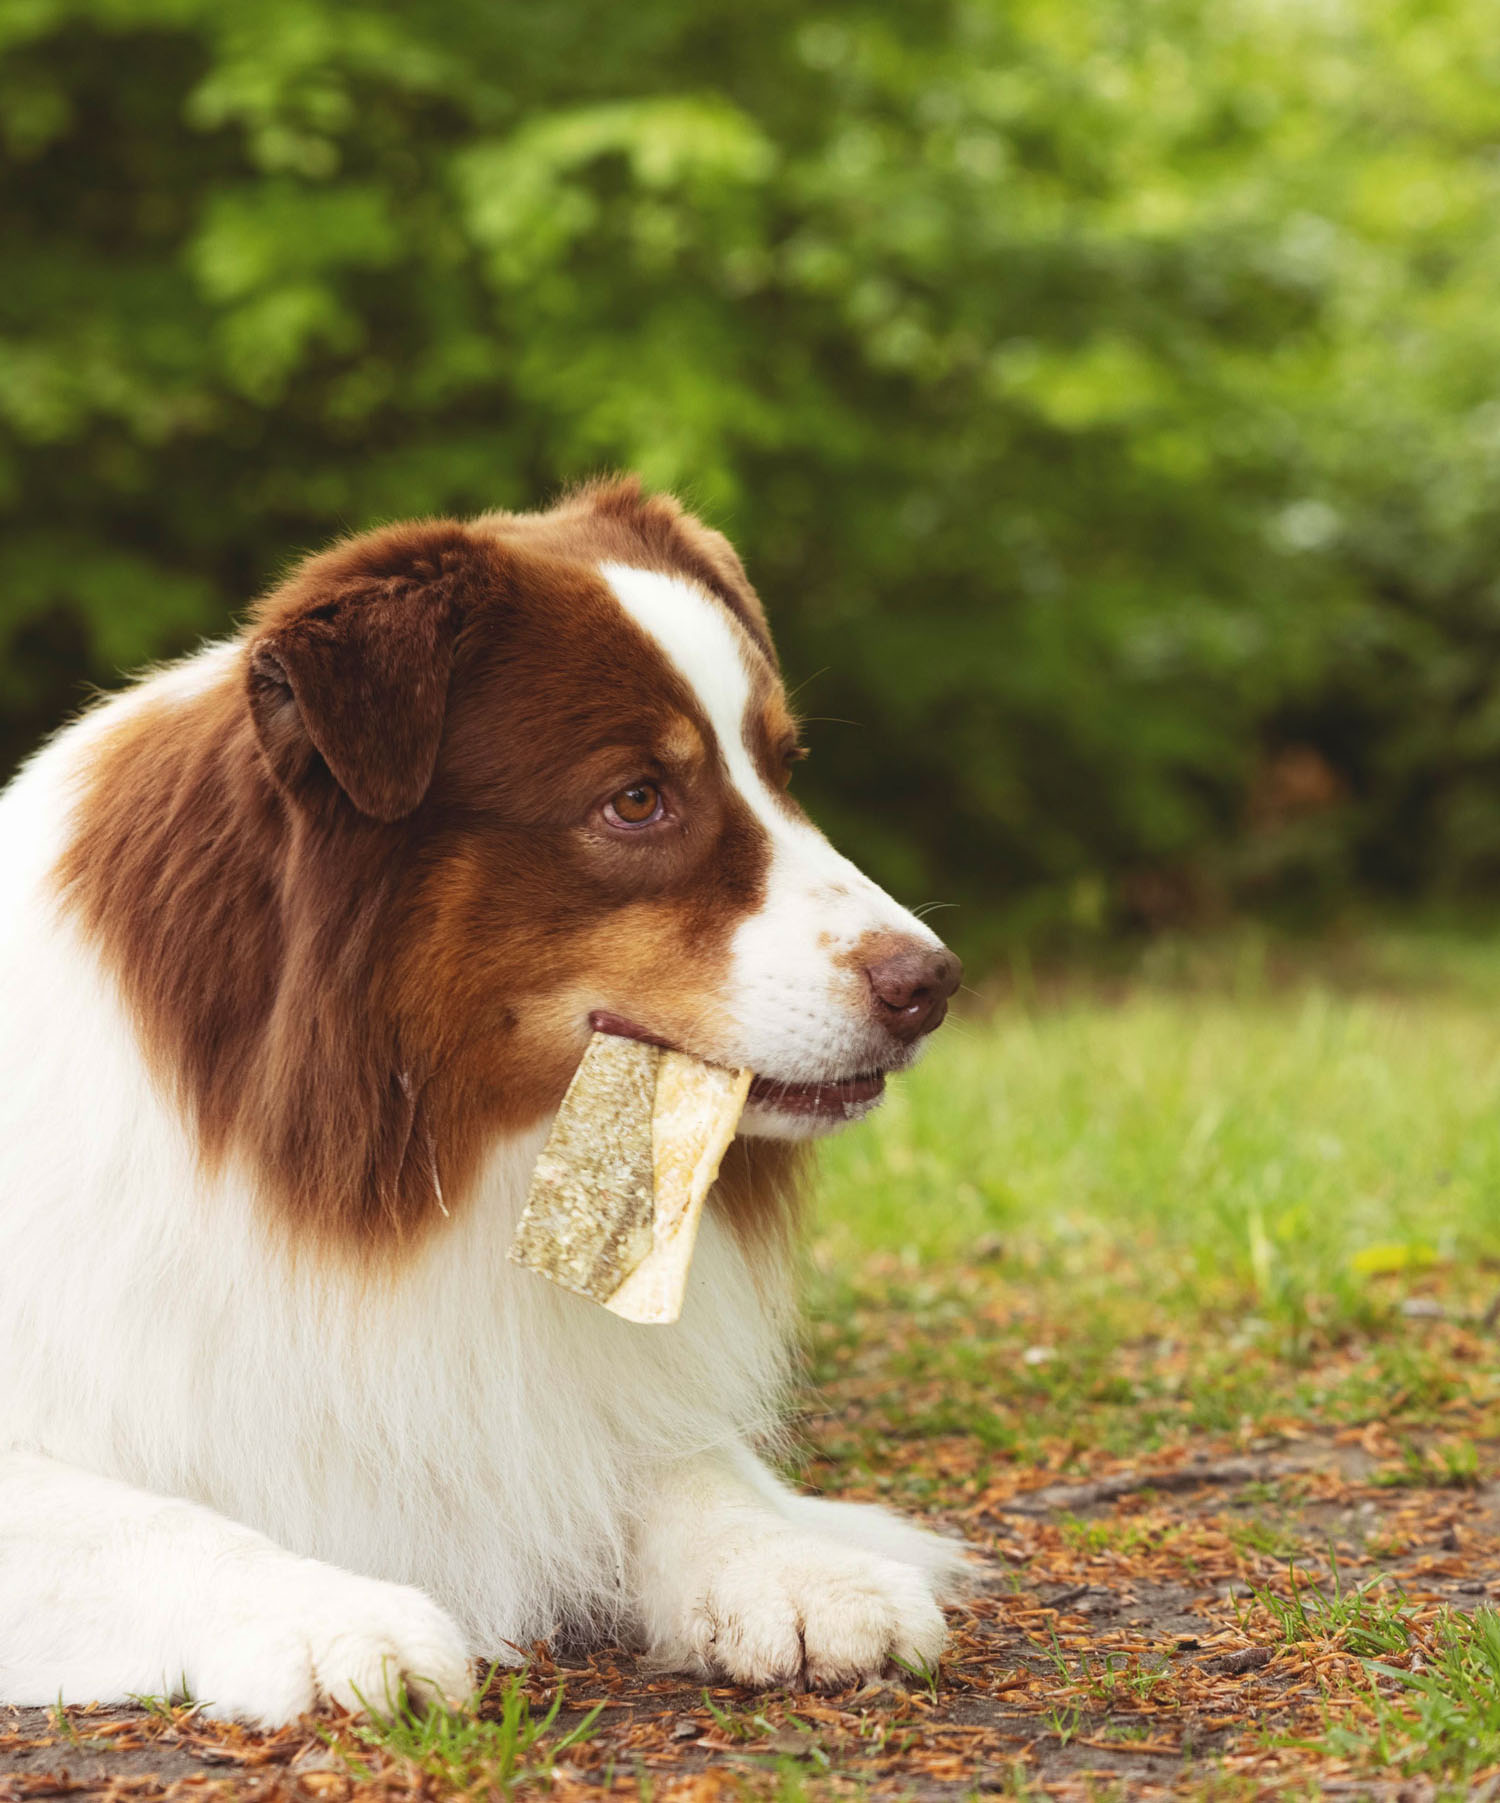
(206, 1435)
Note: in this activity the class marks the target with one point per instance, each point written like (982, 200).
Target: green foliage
(1101, 390)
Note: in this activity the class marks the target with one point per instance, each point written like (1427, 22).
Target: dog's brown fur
(356, 893)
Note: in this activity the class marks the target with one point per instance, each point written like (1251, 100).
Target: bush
(1101, 391)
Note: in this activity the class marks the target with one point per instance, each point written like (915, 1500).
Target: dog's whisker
(806, 682)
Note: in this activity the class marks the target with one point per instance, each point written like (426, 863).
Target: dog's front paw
(787, 1608)
(314, 1634)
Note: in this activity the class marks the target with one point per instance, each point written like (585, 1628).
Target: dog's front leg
(727, 1585)
(107, 1591)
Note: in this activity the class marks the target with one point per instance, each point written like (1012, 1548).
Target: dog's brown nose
(911, 984)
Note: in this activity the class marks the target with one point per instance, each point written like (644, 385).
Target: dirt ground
(1114, 1643)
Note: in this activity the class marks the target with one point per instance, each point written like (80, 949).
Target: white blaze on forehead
(707, 649)
(801, 1013)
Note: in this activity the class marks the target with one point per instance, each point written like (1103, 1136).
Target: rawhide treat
(618, 1190)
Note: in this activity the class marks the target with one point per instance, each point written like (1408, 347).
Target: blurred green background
(1102, 392)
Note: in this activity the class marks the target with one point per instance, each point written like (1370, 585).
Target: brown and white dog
(300, 942)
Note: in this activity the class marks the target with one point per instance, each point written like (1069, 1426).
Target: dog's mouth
(834, 1099)
(840, 1099)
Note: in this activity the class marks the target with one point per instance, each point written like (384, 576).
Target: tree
(1099, 390)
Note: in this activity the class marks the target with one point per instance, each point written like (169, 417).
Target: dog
(301, 940)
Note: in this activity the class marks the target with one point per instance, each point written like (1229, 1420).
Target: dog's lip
(616, 1025)
(834, 1096)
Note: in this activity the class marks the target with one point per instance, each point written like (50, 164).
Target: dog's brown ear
(351, 671)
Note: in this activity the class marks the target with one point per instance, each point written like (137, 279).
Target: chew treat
(698, 1107)
(587, 1219)
(618, 1191)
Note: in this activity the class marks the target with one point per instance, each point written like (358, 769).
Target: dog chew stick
(618, 1190)
(587, 1219)
(697, 1109)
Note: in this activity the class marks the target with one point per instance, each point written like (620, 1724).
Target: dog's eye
(638, 805)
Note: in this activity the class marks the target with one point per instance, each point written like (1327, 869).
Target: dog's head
(557, 748)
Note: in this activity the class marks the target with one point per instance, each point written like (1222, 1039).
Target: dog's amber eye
(635, 806)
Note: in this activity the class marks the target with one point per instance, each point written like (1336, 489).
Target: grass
(506, 1747)
(1439, 1714)
(1262, 1150)
(1209, 1208)
(1449, 1465)
(1360, 1619)
(1119, 1217)
(1445, 1719)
